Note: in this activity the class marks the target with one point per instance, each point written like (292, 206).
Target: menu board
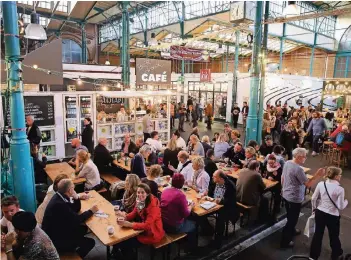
(41, 107)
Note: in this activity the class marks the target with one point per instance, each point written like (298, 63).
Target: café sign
(153, 72)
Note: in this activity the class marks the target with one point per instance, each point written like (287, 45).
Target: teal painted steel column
(84, 44)
(145, 36)
(312, 54)
(251, 126)
(263, 74)
(236, 67)
(182, 36)
(21, 161)
(226, 60)
(281, 52)
(125, 46)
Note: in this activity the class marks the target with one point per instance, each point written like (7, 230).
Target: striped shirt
(294, 179)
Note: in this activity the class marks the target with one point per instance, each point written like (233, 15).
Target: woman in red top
(147, 210)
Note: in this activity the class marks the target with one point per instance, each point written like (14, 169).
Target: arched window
(71, 52)
(342, 68)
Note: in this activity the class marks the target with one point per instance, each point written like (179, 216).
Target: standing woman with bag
(327, 201)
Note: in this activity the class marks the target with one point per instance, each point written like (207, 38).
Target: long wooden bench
(70, 256)
(109, 178)
(167, 240)
(245, 211)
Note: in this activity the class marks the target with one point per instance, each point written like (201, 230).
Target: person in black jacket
(224, 193)
(105, 162)
(289, 139)
(235, 114)
(63, 223)
(192, 116)
(267, 147)
(33, 131)
(235, 154)
(40, 174)
(138, 165)
(131, 148)
(210, 165)
(87, 135)
(170, 157)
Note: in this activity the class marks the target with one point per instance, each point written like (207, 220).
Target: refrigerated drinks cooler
(76, 108)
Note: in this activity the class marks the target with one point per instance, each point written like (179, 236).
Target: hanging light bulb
(329, 88)
(34, 30)
(79, 81)
(107, 62)
(35, 66)
(153, 41)
(291, 9)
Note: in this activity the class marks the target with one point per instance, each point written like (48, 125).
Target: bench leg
(226, 228)
(108, 252)
(152, 253)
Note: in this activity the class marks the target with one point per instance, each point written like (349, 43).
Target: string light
(35, 66)
(79, 81)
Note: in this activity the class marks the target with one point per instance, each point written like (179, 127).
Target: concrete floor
(265, 244)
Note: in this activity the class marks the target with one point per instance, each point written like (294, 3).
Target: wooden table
(55, 169)
(99, 225)
(268, 183)
(306, 170)
(121, 164)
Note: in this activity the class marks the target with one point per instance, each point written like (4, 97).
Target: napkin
(207, 205)
(100, 214)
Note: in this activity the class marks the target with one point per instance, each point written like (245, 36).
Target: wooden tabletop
(269, 184)
(55, 169)
(99, 225)
(122, 165)
(306, 170)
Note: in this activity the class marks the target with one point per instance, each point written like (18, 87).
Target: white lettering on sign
(154, 77)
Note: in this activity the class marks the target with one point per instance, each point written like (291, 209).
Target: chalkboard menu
(41, 107)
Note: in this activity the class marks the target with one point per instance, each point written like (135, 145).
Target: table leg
(108, 252)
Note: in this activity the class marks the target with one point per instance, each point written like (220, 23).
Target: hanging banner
(153, 72)
(205, 75)
(184, 53)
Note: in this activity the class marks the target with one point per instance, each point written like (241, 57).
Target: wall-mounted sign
(205, 75)
(184, 53)
(110, 100)
(153, 72)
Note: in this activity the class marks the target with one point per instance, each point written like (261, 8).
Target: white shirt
(91, 173)
(321, 201)
(156, 145)
(4, 222)
(122, 116)
(39, 214)
(188, 172)
(181, 143)
(147, 124)
(202, 181)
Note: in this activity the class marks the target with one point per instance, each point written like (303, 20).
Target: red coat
(151, 222)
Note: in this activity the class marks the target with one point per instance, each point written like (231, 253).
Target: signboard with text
(205, 75)
(153, 72)
(185, 53)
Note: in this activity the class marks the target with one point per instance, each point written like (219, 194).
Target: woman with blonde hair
(129, 197)
(205, 141)
(170, 156)
(154, 172)
(195, 147)
(201, 179)
(250, 155)
(328, 200)
(88, 170)
(221, 146)
(234, 137)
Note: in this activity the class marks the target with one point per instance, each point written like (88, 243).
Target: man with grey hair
(185, 167)
(33, 131)
(138, 165)
(294, 183)
(63, 223)
(105, 162)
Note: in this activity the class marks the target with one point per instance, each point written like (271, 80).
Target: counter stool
(327, 150)
(339, 158)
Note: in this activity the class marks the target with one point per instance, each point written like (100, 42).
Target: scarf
(140, 205)
(274, 168)
(129, 200)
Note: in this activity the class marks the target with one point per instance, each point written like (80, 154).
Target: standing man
(33, 132)
(147, 125)
(201, 109)
(294, 183)
(172, 108)
(245, 112)
(235, 114)
(189, 103)
(181, 112)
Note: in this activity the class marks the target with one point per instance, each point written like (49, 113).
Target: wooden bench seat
(70, 256)
(166, 241)
(102, 190)
(109, 178)
(244, 206)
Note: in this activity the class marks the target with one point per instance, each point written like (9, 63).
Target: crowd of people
(57, 225)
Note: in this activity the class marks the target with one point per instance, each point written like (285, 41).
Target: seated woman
(256, 146)
(128, 147)
(234, 137)
(205, 141)
(194, 132)
(138, 165)
(147, 211)
(175, 209)
(40, 174)
(88, 170)
(195, 147)
(170, 156)
(201, 179)
(273, 172)
(154, 172)
(215, 137)
(250, 155)
(221, 146)
(127, 203)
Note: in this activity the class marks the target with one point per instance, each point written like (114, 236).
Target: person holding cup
(147, 210)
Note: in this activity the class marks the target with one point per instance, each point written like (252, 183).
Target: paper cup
(110, 230)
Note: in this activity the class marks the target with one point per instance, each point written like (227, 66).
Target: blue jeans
(187, 226)
(315, 145)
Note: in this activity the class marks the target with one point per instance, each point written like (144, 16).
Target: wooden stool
(327, 149)
(339, 158)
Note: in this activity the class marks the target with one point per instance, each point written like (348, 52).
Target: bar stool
(327, 150)
(339, 158)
